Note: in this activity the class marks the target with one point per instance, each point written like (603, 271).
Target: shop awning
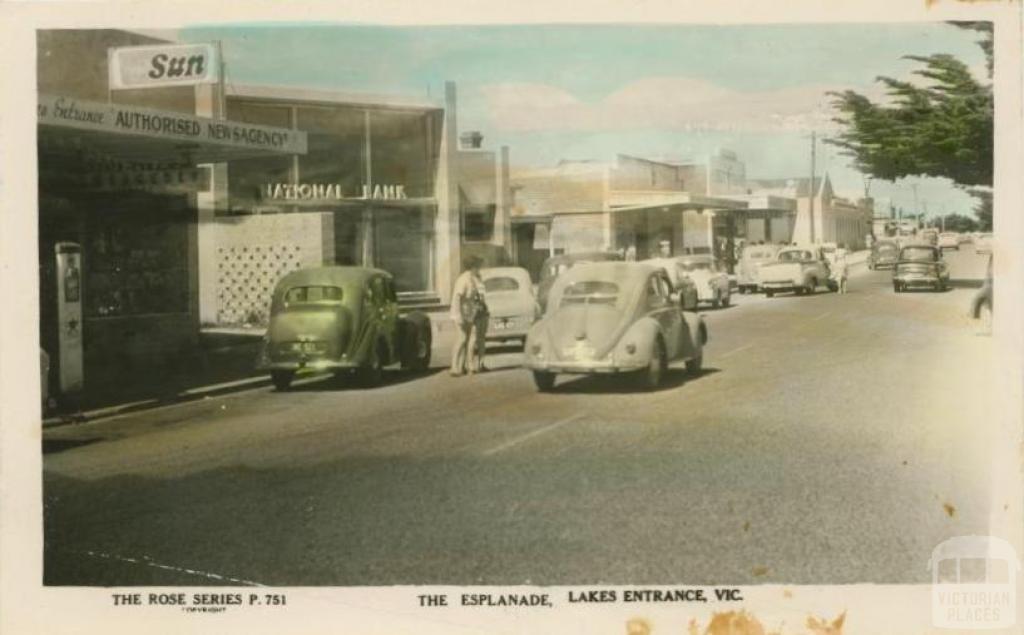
(133, 134)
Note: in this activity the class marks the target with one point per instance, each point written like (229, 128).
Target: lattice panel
(246, 276)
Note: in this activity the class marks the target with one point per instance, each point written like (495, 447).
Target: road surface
(830, 439)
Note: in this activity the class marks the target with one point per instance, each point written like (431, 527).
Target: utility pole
(811, 189)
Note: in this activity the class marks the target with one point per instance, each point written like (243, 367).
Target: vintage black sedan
(884, 254)
(342, 319)
(920, 266)
(614, 317)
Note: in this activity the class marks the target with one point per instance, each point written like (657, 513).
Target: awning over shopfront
(631, 201)
(142, 135)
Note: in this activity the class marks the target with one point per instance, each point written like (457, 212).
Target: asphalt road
(831, 439)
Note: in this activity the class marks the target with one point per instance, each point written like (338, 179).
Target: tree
(940, 127)
(983, 207)
(957, 223)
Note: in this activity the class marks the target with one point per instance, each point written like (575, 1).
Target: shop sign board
(119, 119)
(330, 191)
(163, 65)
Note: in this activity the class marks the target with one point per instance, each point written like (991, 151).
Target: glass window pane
(404, 244)
(403, 151)
(336, 148)
(134, 266)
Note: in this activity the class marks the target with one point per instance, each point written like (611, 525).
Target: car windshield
(312, 294)
(794, 256)
(917, 254)
(693, 265)
(590, 292)
(500, 283)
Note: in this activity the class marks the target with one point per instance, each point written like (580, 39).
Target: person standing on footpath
(469, 312)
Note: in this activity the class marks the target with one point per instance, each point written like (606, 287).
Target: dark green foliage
(940, 125)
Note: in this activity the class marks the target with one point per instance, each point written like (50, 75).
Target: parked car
(510, 301)
(557, 265)
(884, 254)
(983, 244)
(342, 319)
(613, 317)
(798, 269)
(920, 266)
(684, 289)
(949, 240)
(712, 283)
(751, 259)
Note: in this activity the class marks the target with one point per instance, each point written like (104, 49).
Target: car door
(386, 307)
(662, 309)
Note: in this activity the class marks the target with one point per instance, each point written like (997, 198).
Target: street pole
(811, 189)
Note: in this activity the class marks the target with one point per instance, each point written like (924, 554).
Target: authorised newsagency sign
(129, 120)
(163, 65)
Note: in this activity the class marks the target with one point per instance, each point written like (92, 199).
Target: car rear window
(794, 256)
(590, 292)
(917, 254)
(501, 283)
(312, 294)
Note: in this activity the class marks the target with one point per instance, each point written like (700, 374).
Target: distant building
(835, 219)
(630, 205)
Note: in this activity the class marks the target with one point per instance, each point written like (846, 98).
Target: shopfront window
(403, 151)
(337, 148)
(404, 244)
(248, 177)
(135, 266)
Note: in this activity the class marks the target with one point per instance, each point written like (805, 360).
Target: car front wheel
(694, 364)
(544, 380)
(282, 379)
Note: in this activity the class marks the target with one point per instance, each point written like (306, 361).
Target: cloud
(669, 103)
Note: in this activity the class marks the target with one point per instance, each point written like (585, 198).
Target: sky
(554, 92)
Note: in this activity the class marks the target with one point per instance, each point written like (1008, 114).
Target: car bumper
(912, 280)
(308, 364)
(587, 367)
(778, 285)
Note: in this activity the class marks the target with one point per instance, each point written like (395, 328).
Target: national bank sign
(163, 65)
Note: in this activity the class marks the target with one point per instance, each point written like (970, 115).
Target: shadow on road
(348, 381)
(965, 283)
(624, 383)
(53, 446)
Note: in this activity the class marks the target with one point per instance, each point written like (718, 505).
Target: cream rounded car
(513, 308)
(614, 317)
